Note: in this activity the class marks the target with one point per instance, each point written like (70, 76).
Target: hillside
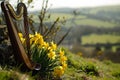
(106, 16)
(79, 68)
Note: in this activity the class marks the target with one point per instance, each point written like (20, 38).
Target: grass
(12, 74)
(105, 38)
(79, 68)
(106, 70)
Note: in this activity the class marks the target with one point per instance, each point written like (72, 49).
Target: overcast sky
(74, 3)
(83, 3)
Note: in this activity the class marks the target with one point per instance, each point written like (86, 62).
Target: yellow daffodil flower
(38, 35)
(59, 71)
(51, 55)
(20, 35)
(40, 41)
(64, 65)
(61, 53)
(22, 40)
(53, 46)
(45, 45)
(30, 35)
(63, 59)
(34, 40)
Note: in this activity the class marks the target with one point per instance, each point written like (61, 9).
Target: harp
(21, 56)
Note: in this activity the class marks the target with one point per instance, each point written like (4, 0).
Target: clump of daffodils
(52, 59)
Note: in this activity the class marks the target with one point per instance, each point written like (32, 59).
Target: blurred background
(95, 25)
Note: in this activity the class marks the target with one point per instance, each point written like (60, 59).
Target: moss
(6, 75)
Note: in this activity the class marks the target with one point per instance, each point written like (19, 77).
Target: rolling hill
(106, 16)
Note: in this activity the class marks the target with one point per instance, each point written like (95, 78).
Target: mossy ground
(79, 68)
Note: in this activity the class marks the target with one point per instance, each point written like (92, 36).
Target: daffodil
(34, 40)
(51, 55)
(40, 41)
(30, 35)
(45, 45)
(61, 53)
(53, 46)
(20, 35)
(22, 40)
(63, 59)
(59, 71)
(64, 65)
(38, 35)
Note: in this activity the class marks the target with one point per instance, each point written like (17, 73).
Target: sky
(72, 3)
(76, 3)
(83, 3)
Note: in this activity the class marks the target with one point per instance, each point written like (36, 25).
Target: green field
(83, 20)
(94, 38)
(94, 22)
(54, 16)
(106, 16)
(105, 8)
(78, 20)
(60, 15)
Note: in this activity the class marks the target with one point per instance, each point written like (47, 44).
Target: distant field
(94, 38)
(60, 15)
(94, 22)
(79, 20)
(105, 8)
(54, 16)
